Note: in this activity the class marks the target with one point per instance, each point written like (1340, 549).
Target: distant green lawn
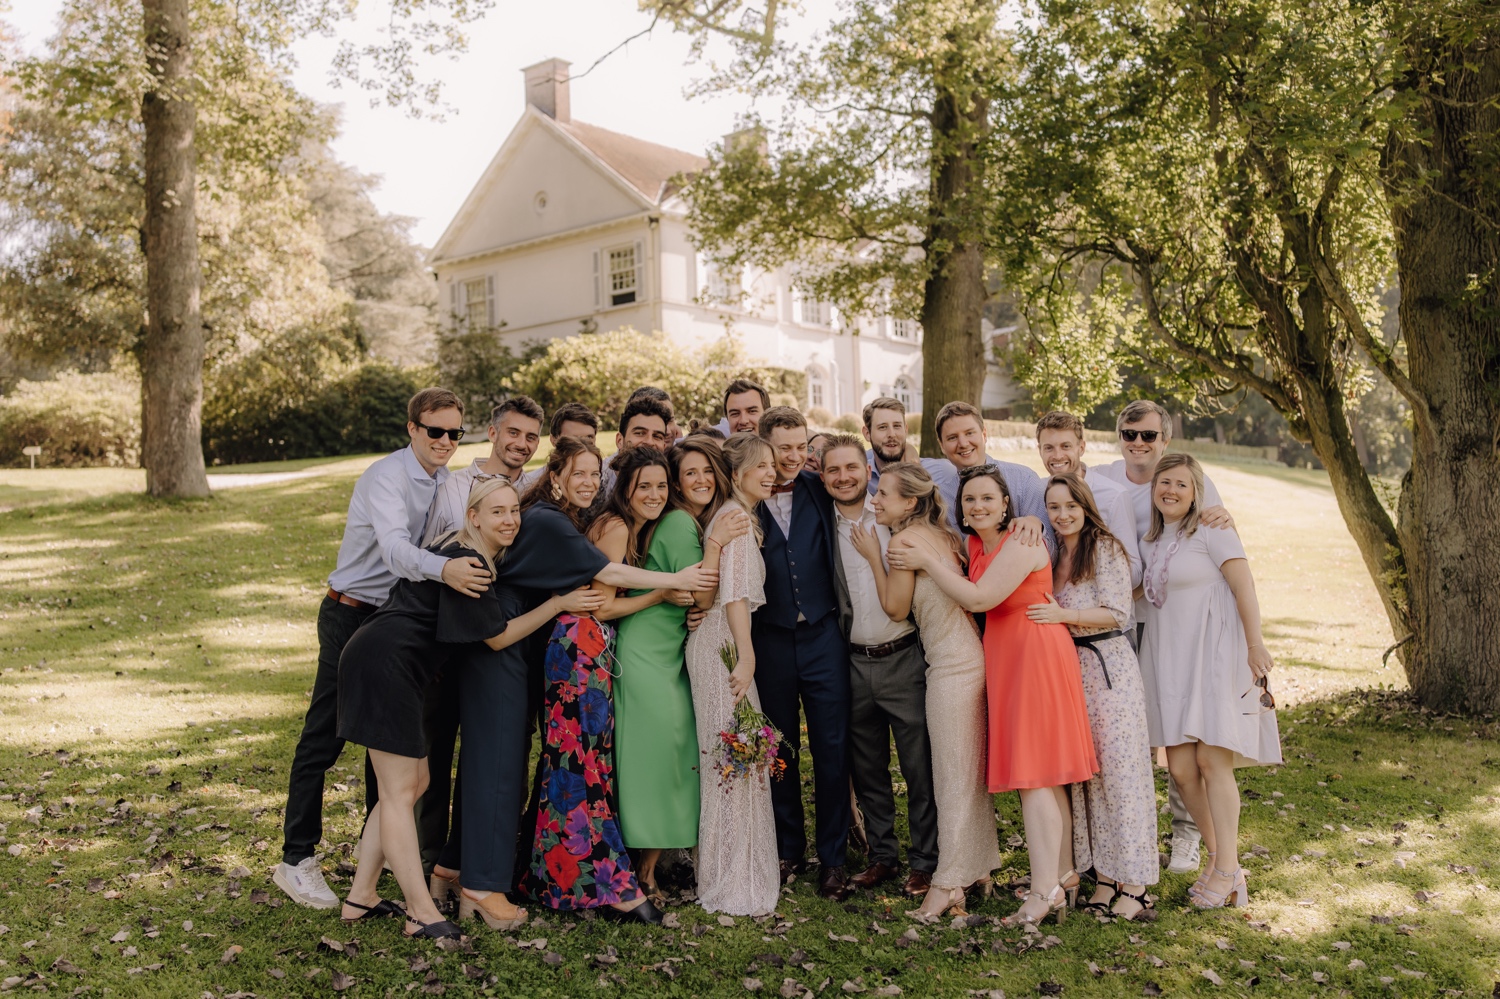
(156, 661)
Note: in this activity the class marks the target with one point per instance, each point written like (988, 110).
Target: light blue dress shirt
(1028, 496)
(386, 515)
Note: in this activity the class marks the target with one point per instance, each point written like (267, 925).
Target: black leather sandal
(1145, 914)
(1102, 908)
(643, 913)
(440, 930)
(384, 907)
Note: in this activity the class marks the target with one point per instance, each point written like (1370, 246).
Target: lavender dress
(1194, 657)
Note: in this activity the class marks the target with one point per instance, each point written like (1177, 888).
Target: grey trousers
(1182, 822)
(890, 699)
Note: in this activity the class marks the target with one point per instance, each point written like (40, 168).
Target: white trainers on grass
(305, 885)
(1185, 857)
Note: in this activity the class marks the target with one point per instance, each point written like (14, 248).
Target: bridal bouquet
(751, 746)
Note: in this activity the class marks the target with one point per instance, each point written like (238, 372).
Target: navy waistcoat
(799, 569)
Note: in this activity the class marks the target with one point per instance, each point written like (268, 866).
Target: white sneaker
(1185, 859)
(305, 884)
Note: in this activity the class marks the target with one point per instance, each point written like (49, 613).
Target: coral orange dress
(1038, 721)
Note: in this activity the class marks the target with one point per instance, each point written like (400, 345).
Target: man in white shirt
(1145, 430)
(387, 513)
(515, 430)
(887, 676)
(1059, 440)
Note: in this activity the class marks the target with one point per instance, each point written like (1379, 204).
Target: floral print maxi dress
(578, 858)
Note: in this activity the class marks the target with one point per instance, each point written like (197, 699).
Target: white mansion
(573, 228)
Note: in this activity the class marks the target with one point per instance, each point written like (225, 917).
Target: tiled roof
(648, 167)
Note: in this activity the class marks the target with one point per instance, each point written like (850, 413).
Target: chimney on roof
(547, 89)
(752, 139)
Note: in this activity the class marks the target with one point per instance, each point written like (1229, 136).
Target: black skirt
(388, 664)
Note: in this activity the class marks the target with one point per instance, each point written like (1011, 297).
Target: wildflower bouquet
(751, 746)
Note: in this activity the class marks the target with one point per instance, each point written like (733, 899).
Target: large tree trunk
(953, 361)
(172, 358)
(1448, 254)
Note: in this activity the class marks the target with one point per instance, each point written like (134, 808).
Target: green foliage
(601, 370)
(361, 412)
(78, 419)
(476, 365)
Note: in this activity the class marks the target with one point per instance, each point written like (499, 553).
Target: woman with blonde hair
(738, 871)
(908, 502)
(385, 670)
(1204, 664)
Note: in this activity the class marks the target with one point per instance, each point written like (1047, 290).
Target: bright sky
(428, 167)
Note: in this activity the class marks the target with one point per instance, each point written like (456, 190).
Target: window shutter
(799, 304)
(453, 302)
(598, 293)
(489, 291)
(640, 271)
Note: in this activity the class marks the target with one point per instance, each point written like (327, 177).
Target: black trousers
(319, 746)
(492, 768)
(808, 667)
(889, 698)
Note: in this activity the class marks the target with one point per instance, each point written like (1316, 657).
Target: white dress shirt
(780, 505)
(386, 513)
(871, 624)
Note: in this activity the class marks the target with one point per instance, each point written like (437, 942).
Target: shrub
(817, 416)
(601, 370)
(849, 423)
(363, 411)
(913, 424)
(77, 419)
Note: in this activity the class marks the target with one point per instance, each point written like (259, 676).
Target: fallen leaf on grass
(726, 920)
(276, 973)
(240, 872)
(888, 990)
(751, 984)
(341, 981)
(552, 958)
(95, 885)
(328, 943)
(1357, 965)
(120, 937)
(1151, 989)
(63, 966)
(232, 953)
(1209, 974)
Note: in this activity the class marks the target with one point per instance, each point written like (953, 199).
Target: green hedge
(77, 419)
(363, 411)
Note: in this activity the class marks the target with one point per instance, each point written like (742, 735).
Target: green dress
(656, 738)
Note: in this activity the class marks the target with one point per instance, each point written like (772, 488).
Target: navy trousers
(808, 666)
(492, 768)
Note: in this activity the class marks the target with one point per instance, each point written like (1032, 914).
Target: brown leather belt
(346, 600)
(888, 649)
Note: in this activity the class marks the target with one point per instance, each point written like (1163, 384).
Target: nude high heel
(469, 906)
(955, 902)
(1057, 905)
(1238, 894)
(442, 888)
(1208, 872)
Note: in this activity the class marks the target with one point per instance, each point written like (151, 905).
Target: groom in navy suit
(800, 654)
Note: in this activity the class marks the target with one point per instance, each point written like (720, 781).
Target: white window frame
(905, 329)
(605, 291)
(817, 387)
(904, 392)
(463, 306)
(811, 312)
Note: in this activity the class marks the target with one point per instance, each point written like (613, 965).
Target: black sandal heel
(1102, 908)
(440, 930)
(384, 907)
(1145, 914)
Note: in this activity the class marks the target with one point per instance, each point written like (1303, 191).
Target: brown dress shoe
(917, 883)
(877, 873)
(833, 885)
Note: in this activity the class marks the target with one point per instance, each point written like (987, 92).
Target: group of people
(1004, 630)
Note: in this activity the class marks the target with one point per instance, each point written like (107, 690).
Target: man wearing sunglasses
(1145, 430)
(387, 514)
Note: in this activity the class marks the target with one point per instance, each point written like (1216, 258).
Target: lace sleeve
(1112, 580)
(741, 573)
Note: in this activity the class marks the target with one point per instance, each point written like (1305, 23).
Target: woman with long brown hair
(656, 743)
(1039, 740)
(579, 860)
(1114, 812)
(908, 503)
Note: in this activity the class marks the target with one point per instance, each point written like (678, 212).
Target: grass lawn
(156, 660)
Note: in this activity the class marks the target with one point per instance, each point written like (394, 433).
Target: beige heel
(442, 888)
(469, 906)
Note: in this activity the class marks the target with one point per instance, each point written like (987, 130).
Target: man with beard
(888, 686)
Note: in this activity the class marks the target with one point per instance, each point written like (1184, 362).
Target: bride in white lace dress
(737, 868)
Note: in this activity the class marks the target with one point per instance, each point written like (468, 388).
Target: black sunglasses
(1267, 702)
(453, 433)
(1149, 436)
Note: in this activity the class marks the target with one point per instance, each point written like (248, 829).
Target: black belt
(888, 649)
(1091, 643)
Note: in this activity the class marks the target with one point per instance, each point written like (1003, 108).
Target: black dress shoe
(832, 884)
(917, 883)
(791, 867)
(643, 913)
(876, 874)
